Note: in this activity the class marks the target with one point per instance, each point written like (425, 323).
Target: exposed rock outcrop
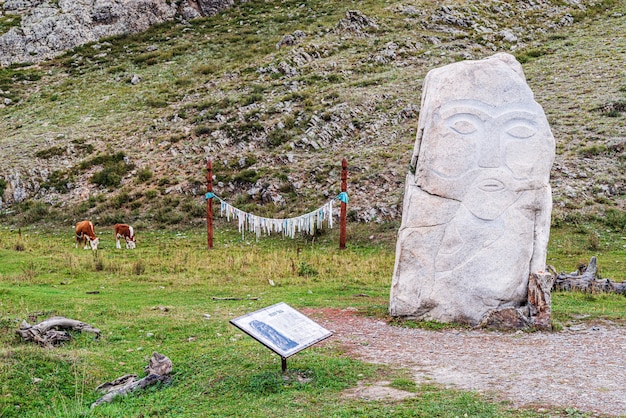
(48, 29)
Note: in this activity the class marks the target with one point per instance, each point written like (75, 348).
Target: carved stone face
(476, 212)
(485, 154)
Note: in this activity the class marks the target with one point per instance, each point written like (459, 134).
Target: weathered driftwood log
(158, 370)
(47, 333)
(586, 280)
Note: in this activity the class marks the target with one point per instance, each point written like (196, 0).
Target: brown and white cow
(86, 234)
(126, 232)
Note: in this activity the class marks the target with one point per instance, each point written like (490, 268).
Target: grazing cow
(86, 234)
(126, 232)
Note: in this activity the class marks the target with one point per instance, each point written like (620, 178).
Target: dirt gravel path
(581, 367)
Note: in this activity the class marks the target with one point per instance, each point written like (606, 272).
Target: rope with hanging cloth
(307, 223)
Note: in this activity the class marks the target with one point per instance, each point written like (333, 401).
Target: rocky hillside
(276, 93)
(41, 29)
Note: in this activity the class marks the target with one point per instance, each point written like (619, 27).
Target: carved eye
(463, 124)
(463, 127)
(521, 131)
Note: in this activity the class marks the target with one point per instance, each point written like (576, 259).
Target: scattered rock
(356, 22)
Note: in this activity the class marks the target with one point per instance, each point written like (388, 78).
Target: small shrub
(98, 263)
(593, 241)
(335, 78)
(307, 270)
(156, 102)
(183, 81)
(139, 267)
(615, 219)
(202, 130)
(58, 181)
(116, 70)
(168, 216)
(144, 175)
(252, 98)
(102, 159)
(525, 56)
(19, 245)
(249, 176)
(119, 200)
(29, 271)
(194, 210)
(205, 69)
(80, 145)
(114, 169)
(109, 217)
(149, 58)
(612, 109)
(50, 152)
(278, 137)
(592, 150)
(33, 212)
(107, 177)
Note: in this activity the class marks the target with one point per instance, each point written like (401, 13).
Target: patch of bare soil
(581, 367)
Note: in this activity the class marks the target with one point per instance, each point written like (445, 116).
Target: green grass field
(159, 297)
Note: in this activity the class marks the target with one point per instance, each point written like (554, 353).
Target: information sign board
(282, 329)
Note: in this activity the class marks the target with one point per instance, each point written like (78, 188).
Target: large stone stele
(477, 203)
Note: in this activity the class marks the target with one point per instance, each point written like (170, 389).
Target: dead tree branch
(586, 280)
(50, 331)
(158, 370)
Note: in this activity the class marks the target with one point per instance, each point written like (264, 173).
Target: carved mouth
(491, 185)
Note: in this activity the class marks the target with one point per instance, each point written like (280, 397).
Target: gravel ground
(580, 367)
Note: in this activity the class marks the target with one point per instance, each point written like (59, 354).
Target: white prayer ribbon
(307, 223)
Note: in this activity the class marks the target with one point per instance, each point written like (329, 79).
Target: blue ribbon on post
(209, 195)
(343, 196)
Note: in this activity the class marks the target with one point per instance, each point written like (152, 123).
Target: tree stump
(586, 280)
(539, 299)
(47, 334)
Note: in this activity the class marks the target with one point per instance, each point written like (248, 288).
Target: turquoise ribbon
(343, 196)
(209, 195)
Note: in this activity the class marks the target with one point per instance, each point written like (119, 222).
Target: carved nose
(490, 149)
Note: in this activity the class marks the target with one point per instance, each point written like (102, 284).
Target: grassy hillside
(120, 130)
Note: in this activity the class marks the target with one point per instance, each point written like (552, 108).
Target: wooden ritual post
(209, 203)
(344, 209)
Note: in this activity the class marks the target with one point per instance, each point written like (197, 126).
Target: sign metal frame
(282, 329)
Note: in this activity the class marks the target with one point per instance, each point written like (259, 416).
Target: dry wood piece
(158, 370)
(539, 299)
(539, 312)
(47, 333)
(234, 298)
(585, 280)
